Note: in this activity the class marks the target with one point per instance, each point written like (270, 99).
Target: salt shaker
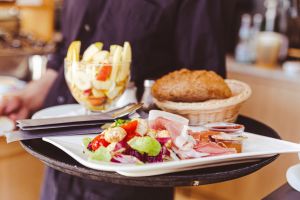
(147, 98)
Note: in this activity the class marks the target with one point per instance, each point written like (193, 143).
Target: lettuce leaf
(101, 154)
(146, 144)
(86, 141)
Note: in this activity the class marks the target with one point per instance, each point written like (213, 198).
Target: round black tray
(61, 161)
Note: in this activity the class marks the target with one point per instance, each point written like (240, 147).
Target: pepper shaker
(147, 98)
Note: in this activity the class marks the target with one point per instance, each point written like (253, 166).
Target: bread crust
(190, 86)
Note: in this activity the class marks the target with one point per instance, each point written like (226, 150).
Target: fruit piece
(73, 51)
(97, 93)
(104, 73)
(91, 51)
(101, 57)
(146, 145)
(96, 101)
(126, 53)
(116, 62)
(126, 60)
(113, 92)
(102, 85)
(82, 80)
(112, 48)
(68, 73)
(87, 92)
(97, 142)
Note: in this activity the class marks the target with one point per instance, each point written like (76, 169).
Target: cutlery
(91, 124)
(75, 121)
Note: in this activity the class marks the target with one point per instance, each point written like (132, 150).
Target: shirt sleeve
(56, 59)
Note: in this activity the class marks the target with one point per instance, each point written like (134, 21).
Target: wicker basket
(221, 110)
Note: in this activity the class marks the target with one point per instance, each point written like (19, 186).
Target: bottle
(243, 48)
(270, 15)
(257, 21)
(147, 98)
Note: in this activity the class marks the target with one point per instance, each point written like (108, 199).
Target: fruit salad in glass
(100, 77)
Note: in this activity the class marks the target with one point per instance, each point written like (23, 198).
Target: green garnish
(120, 122)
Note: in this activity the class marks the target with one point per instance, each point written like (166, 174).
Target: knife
(73, 121)
(13, 136)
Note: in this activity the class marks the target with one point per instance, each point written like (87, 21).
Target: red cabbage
(126, 159)
(163, 140)
(120, 145)
(132, 152)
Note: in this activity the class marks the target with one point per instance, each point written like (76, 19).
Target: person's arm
(22, 104)
(36, 91)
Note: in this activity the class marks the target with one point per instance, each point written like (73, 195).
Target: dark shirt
(165, 35)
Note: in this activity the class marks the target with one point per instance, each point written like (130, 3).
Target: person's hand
(14, 107)
(22, 104)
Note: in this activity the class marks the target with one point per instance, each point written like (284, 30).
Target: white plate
(255, 146)
(293, 177)
(60, 111)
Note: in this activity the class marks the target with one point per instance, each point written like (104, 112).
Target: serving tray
(59, 160)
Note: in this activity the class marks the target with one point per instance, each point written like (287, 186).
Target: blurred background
(263, 50)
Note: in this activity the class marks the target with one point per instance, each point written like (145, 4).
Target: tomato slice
(129, 136)
(104, 73)
(130, 127)
(97, 142)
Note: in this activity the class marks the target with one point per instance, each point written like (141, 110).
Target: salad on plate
(162, 137)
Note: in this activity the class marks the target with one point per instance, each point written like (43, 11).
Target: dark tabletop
(285, 192)
(59, 160)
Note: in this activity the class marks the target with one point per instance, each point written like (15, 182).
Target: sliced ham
(192, 153)
(153, 114)
(213, 149)
(162, 123)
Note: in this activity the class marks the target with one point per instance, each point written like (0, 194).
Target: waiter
(165, 35)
